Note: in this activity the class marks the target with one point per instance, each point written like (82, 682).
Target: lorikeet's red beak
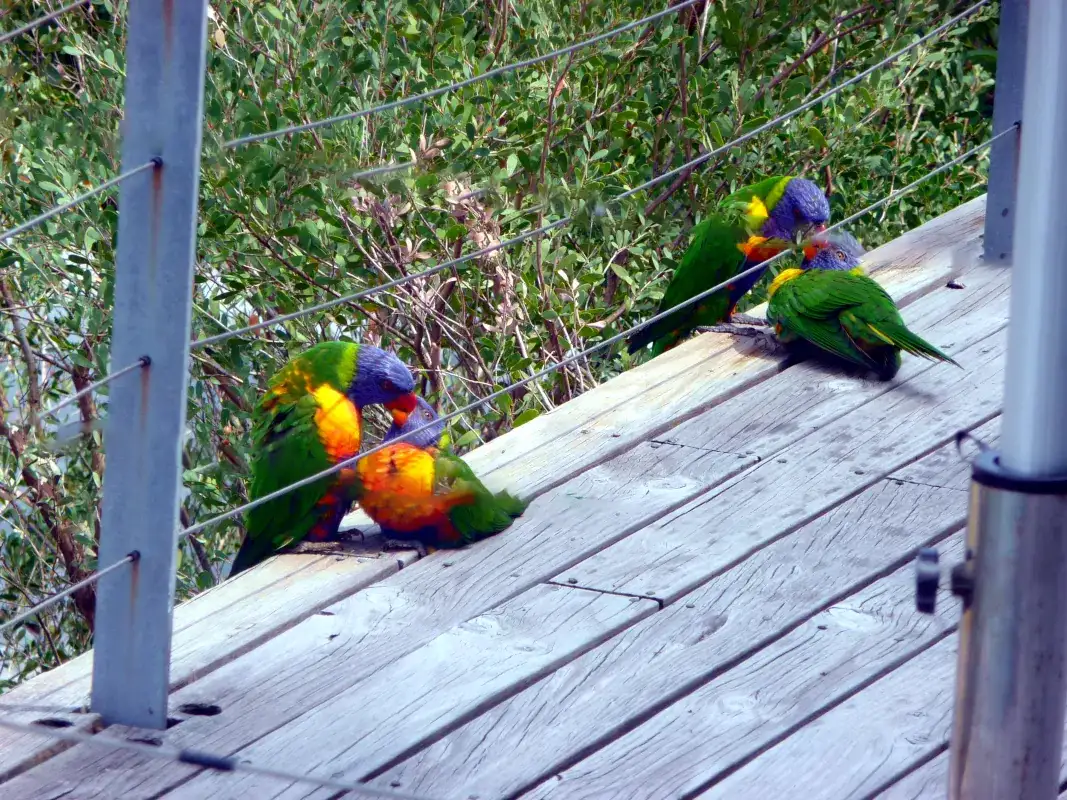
(809, 251)
(401, 407)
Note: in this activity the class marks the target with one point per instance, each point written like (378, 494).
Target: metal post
(1012, 679)
(1007, 111)
(154, 275)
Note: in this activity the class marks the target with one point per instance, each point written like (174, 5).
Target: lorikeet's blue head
(422, 415)
(801, 210)
(838, 250)
(381, 377)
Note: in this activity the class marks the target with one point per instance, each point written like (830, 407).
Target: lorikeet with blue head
(309, 419)
(833, 305)
(753, 224)
(423, 495)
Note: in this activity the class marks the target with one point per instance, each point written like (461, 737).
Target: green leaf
(467, 439)
(816, 137)
(526, 416)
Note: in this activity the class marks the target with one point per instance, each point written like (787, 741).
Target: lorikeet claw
(408, 544)
(731, 328)
(327, 548)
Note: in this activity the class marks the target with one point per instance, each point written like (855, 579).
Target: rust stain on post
(146, 384)
(168, 30)
(135, 579)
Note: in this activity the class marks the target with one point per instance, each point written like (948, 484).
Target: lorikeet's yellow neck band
(782, 278)
(756, 214)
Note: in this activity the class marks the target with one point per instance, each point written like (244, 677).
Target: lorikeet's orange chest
(398, 489)
(339, 422)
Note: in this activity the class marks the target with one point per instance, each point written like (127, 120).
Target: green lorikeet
(754, 224)
(309, 419)
(418, 491)
(842, 311)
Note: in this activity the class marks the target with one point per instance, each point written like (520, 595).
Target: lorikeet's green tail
(510, 505)
(251, 553)
(897, 336)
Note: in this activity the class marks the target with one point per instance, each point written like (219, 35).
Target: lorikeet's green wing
(711, 258)
(877, 323)
(288, 449)
(808, 306)
(487, 513)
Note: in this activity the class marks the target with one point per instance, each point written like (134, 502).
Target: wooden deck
(711, 596)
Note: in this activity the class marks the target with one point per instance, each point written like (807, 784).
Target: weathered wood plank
(928, 782)
(752, 707)
(855, 748)
(949, 469)
(658, 661)
(350, 641)
(692, 545)
(437, 686)
(211, 629)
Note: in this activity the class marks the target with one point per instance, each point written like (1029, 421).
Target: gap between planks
(646, 670)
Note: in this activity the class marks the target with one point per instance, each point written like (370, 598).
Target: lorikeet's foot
(408, 544)
(351, 535)
(744, 319)
(328, 548)
(730, 328)
(761, 337)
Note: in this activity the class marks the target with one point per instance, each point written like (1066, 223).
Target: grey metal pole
(165, 53)
(1012, 675)
(1007, 111)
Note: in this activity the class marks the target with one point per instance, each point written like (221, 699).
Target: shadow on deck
(710, 597)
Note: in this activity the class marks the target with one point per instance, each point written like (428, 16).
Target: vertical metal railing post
(1007, 111)
(165, 54)
(1011, 688)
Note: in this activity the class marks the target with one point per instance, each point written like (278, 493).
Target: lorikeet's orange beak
(809, 251)
(401, 407)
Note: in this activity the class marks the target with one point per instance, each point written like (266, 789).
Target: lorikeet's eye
(840, 255)
(388, 385)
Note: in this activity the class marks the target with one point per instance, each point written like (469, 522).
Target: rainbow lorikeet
(421, 493)
(843, 311)
(754, 224)
(309, 419)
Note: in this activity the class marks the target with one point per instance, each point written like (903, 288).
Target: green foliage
(283, 224)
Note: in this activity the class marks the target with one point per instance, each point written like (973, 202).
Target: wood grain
(661, 660)
(856, 747)
(928, 782)
(708, 535)
(211, 629)
(748, 710)
(466, 669)
(309, 664)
